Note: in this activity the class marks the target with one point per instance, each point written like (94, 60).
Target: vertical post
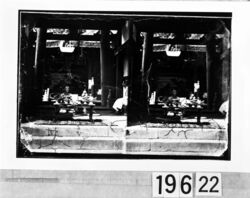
(214, 72)
(91, 113)
(119, 69)
(37, 51)
(106, 62)
(218, 62)
(210, 77)
(25, 72)
(137, 103)
(39, 63)
(209, 98)
(126, 35)
(119, 75)
(226, 62)
(127, 31)
(147, 51)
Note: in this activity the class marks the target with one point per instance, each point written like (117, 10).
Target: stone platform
(111, 136)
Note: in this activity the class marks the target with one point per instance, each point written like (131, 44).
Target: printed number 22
(214, 179)
(208, 184)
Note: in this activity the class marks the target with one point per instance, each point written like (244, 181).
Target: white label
(208, 184)
(157, 184)
(186, 185)
(171, 185)
(168, 184)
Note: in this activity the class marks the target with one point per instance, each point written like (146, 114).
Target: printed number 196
(172, 185)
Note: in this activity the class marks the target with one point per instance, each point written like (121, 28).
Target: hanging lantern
(66, 47)
(173, 50)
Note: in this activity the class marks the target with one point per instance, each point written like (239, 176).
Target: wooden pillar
(214, 71)
(119, 76)
(226, 64)
(210, 84)
(137, 108)
(127, 31)
(119, 68)
(25, 95)
(39, 62)
(147, 51)
(218, 66)
(106, 63)
(208, 74)
(126, 35)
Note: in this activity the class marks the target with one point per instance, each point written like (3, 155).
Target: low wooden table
(195, 110)
(72, 106)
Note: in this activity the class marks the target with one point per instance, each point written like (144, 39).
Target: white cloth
(120, 102)
(224, 107)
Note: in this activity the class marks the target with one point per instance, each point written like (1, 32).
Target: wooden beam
(181, 25)
(178, 41)
(186, 48)
(96, 37)
(201, 41)
(166, 22)
(72, 37)
(92, 24)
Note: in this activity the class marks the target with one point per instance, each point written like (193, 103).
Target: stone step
(130, 132)
(73, 130)
(209, 139)
(176, 133)
(49, 144)
(76, 143)
(177, 147)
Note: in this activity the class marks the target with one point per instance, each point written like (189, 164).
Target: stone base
(181, 140)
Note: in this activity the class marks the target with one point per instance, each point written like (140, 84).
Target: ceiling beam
(95, 37)
(179, 41)
(72, 37)
(79, 24)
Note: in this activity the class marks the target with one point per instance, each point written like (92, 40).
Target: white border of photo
(240, 125)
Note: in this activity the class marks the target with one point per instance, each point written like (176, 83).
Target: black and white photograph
(124, 84)
(124, 99)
